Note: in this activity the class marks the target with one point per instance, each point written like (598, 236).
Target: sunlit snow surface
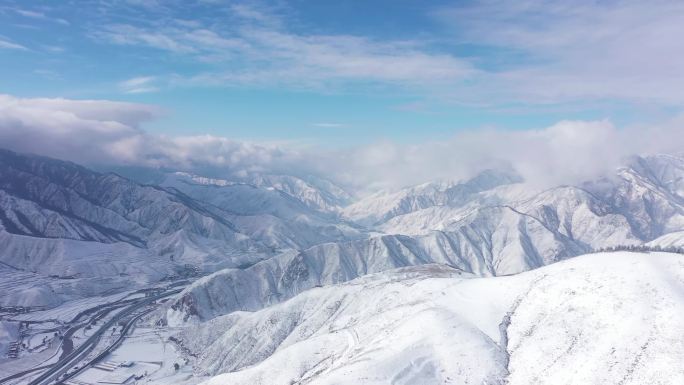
(614, 318)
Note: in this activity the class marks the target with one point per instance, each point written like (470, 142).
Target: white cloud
(32, 14)
(131, 35)
(40, 16)
(256, 48)
(6, 44)
(564, 153)
(139, 85)
(106, 132)
(530, 52)
(98, 131)
(559, 51)
(83, 131)
(328, 125)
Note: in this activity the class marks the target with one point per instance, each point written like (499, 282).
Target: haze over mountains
(60, 219)
(278, 251)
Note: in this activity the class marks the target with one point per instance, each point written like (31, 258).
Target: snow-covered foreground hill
(609, 318)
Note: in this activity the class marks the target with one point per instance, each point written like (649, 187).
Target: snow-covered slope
(641, 202)
(382, 206)
(476, 247)
(610, 318)
(317, 193)
(267, 215)
(62, 220)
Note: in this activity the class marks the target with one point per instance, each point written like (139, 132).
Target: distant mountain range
(491, 225)
(302, 283)
(59, 219)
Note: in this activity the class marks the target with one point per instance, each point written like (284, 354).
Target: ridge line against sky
(105, 133)
(397, 92)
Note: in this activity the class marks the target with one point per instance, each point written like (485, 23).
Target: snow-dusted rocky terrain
(610, 318)
(490, 225)
(86, 232)
(303, 283)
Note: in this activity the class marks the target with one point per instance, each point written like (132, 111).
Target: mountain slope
(561, 324)
(267, 215)
(383, 206)
(476, 247)
(59, 219)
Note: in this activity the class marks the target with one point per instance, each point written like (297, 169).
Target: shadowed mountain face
(54, 199)
(61, 219)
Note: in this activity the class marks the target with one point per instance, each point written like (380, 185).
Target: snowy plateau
(170, 277)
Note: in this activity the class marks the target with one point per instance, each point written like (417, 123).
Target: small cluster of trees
(641, 249)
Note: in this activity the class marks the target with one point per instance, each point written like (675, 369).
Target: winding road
(72, 357)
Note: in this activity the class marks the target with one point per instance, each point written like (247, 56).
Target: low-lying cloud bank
(97, 132)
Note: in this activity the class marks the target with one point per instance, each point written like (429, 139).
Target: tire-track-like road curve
(67, 362)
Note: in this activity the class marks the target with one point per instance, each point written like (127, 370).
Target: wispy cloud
(47, 74)
(139, 85)
(33, 14)
(257, 49)
(328, 125)
(40, 16)
(131, 35)
(558, 51)
(480, 54)
(530, 52)
(6, 44)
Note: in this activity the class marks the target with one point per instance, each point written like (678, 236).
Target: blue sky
(351, 71)
(369, 94)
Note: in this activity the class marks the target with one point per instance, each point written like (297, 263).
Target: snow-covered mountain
(267, 214)
(643, 201)
(317, 193)
(61, 220)
(297, 277)
(314, 192)
(383, 206)
(610, 318)
(497, 227)
(288, 274)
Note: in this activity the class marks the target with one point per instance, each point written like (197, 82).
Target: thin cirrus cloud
(106, 132)
(534, 52)
(257, 50)
(328, 125)
(576, 51)
(7, 44)
(139, 85)
(40, 16)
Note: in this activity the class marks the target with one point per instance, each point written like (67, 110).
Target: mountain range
(298, 273)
